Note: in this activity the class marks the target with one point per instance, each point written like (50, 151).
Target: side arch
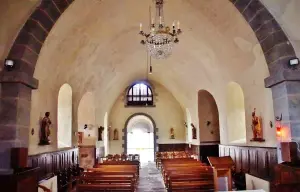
(208, 117)
(236, 117)
(64, 116)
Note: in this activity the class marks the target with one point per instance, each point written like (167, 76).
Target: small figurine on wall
(256, 127)
(116, 134)
(45, 130)
(100, 130)
(172, 135)
(194, 131)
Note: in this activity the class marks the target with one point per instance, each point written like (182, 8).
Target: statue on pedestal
(45, 130)
(256, 127)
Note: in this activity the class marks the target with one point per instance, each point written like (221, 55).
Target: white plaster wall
(167, 113)
(50, 184)
(254, 183)
(64, 117)
(87, 115)
(236, 123)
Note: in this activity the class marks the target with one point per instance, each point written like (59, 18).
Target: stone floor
(150, 179)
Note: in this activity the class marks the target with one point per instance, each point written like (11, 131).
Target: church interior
(149, 95)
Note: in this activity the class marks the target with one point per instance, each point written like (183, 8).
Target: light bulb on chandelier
(160, 40)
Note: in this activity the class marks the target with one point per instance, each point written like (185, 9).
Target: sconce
(271, 124)
(278, 125)
(185, 124)
(85, 126)
(293, 63)
(9, 64)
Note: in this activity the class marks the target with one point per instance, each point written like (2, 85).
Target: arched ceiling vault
(95, 45)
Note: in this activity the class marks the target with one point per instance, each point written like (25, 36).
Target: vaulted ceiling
(95, 46)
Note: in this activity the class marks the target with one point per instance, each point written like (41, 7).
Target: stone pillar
(15, 104)
(286, 101)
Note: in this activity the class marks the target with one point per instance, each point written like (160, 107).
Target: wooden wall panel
(172, 147)
(53, 162)
(257, 161)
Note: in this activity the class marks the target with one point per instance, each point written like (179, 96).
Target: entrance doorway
(140, 137)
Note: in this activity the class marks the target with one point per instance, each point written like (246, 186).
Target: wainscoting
(172, 147)
(51, 163)
(256, 161)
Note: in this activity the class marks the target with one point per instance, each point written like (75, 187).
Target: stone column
(286, 101)
(15, 104)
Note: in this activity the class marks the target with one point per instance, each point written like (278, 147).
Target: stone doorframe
(16, 86)
(124, 130)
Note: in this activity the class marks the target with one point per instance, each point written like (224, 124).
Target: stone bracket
(281, 77)
(18, 77)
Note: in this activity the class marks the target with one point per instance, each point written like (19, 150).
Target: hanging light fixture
(161, 39)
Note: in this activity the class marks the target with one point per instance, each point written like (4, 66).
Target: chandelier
(161, 39)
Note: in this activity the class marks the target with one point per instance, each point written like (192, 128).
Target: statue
(194, 131)
(172, 135)
(116, 134)
(256, 127)
(80, 137)
(100, 130)
(45, 130)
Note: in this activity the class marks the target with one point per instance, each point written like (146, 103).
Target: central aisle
(150, 179)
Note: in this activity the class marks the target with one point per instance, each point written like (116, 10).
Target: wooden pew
(107, 181)
(185, 174)
(204, 179)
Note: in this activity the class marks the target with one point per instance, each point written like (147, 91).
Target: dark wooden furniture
(22, 180)
(223, 166)
(256, 161)
(286, 177)
(112, 177)
(188, 175)
(63, 163)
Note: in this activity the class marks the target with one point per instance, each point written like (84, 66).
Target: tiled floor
(150, 179)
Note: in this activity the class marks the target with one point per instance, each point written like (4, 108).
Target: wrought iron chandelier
(161, 39)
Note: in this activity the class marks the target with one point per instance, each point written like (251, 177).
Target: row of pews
(110, 175)
(188, 174)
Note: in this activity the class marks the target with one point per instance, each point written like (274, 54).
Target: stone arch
(64, 116)
(236, 119)
(208, 116)
(126, 125)
(86, 116)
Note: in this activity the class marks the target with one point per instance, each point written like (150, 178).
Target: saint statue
(100, 130)
(45, 129)
(172, 135)
(194, 131)
(256, 126)
(116, 134)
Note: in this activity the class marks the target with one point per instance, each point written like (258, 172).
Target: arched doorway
(140, 137)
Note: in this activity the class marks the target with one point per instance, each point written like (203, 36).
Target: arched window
(140, 94)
